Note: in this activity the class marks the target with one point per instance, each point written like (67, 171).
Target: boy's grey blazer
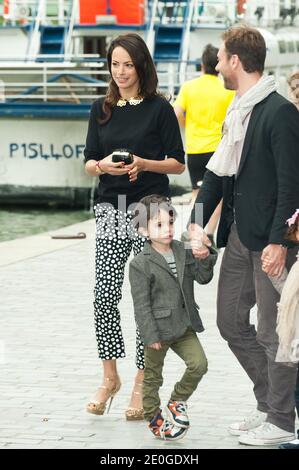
(164, 305)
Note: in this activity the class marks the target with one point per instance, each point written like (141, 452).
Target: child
(293, 90)
(288, 315)
(166, 313)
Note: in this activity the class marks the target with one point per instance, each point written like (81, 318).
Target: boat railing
(217, 13)
(223, 13)
(72, 82)
(34, 42)
(152, 7)
(208, 12)
(186, 40)
(79, 80)
(74, 18)
(23, 12)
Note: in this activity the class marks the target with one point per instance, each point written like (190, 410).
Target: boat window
(282, 47)
(291, 47)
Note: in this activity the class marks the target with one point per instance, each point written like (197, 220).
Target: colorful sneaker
(177, 413)
(163, 429)
(156, 423)
(171, 432)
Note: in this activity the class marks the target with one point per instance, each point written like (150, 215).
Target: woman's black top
(149, 130)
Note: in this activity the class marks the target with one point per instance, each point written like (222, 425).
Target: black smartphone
(122, 155)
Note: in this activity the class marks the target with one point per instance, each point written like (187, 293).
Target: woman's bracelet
(99, 170)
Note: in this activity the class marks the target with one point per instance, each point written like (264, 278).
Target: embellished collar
(132, 101)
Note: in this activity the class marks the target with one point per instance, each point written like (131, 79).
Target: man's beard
(228, 83)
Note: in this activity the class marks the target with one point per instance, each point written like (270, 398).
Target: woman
(132, 116)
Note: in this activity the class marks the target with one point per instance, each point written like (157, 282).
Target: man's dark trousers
(242, 284)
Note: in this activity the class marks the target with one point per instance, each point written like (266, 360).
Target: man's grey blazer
(164, 304)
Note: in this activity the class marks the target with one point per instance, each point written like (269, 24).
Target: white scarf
(224, 162)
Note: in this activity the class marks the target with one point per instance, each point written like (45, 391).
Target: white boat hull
(42, 161)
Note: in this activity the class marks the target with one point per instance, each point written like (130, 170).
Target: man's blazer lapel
(249, 134)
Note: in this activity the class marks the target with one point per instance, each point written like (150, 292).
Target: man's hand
(156, 346)
(273, 259)
(199, 241)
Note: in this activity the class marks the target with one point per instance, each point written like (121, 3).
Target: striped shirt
(169, 256)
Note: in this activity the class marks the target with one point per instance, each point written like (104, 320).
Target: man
(201, 107)
(256, 171)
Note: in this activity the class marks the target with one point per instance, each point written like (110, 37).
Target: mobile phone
(122, 155)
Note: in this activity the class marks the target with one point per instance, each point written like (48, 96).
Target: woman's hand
(113, 168)
(135, 168)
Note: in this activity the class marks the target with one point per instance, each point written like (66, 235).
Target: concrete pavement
(49, 365)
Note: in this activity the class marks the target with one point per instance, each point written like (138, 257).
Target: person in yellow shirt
(201, 107)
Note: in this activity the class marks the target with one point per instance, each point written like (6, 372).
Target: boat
(53, 66)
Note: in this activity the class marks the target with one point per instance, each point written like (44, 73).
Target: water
(18, 223)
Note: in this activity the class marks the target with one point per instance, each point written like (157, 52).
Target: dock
(50, 368)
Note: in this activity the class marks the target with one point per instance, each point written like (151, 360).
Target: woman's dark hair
(145, 68)
(209, 59)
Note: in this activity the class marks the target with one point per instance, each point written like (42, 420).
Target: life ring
(241, 6)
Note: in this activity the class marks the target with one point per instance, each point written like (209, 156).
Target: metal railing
(83, 80)
(219, 13)
(60, 82)
(34, 42)
(214, 13)
(206, 12)
(25, 11)
(186, 40)
(74, 18)
(150, 33)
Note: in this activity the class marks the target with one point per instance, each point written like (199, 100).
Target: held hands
(273, 259)
(156, 346)
(199, 241)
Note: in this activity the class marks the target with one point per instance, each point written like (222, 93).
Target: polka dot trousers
(115, 238)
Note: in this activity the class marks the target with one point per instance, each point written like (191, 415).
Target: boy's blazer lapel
(156, 258)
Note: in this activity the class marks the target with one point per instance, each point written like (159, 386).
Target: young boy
(162, 278)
